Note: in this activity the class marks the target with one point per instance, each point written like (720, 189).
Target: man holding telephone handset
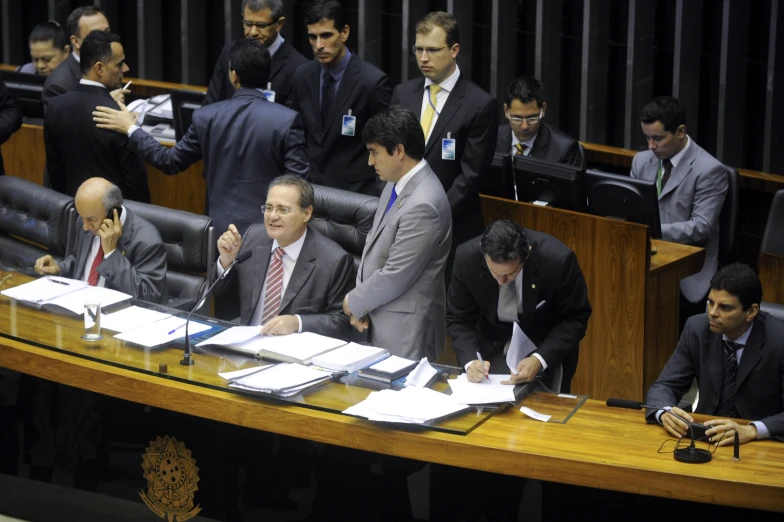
(116, 249)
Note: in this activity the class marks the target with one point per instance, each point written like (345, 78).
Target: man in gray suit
(300, 290)
(400, 293)
(692, 185)
(116, 249)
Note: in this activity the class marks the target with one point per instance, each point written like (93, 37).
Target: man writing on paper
(116, 249)
(736, 353)
(297, 277)
(510, 275)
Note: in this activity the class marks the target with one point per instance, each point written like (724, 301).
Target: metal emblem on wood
(171, 475)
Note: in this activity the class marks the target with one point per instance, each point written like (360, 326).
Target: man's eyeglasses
(259, 25)
(269, 209)
(531, 120)
(429, 50)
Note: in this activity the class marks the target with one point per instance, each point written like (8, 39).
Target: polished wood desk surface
(667, 254)
(598, 447)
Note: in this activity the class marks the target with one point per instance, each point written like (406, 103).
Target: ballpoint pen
(58, 282)
(181, 326)
(482, 362)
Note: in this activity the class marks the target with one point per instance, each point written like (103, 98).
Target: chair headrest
(344, 217)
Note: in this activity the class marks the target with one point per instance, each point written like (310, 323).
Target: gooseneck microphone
(689, 455)
(186, 356)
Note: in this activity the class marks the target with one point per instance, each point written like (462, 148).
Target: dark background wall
(601, 60)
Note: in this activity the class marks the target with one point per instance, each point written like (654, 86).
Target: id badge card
(448, 148)
(269, 93)
(349, 124)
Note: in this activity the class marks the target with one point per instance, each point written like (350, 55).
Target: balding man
(116, 249)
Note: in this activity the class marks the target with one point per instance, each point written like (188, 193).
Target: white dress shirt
(90, 82)
(94, 252)
(527, 145)
(275, 45)
(441, 96)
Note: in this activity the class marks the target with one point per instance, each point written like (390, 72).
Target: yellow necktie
(519, 148)
(430, 111)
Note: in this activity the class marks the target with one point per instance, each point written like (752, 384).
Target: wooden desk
(634, 295)
(599, 447)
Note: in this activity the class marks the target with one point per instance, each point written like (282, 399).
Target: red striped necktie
(93, 279)
(272, 295)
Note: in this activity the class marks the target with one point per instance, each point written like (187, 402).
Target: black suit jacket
(551, 144)
(284, 62)
(759, 385)
(63, 79)
(10, 119)
(555, 304)
(471, 116)
(323, 275)
(335, 160)
(77, 150)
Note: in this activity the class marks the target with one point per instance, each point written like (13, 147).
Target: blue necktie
(392, 200)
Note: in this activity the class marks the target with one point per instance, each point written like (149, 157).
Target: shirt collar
(339, 69)
(743, 339)
(529, 143)
(275, 45)
(76, 56)
(678, 157)
(401, 184)
(448, 84)
(90, 82)
(293, 249)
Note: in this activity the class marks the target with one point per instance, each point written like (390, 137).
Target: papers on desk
(296, 348)
(232, 336)
(60, 294)
(520, 348)
(131, 318)
(421, 375)
(161, 332)
(410, 406)
(163, 110)
(350, 358)
(285, 379)
(389, 370)
(482, 392)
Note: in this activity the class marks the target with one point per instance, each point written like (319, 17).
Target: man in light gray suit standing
(692, 185)
(400, 294)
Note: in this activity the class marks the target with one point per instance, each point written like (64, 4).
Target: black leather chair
(773, 243)
(774, 309)
(34, 221)
(344, 217)
(190, 251)
(728, 219)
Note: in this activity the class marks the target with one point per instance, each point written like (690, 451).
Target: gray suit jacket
(137, 267)
(400, 283)
(690, 205)
(63, 79)
(759, 384)
(323, 275)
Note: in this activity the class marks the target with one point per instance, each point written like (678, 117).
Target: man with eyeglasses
(262, 20)
(337, 93)
(296, 279)
(526, 133)
(245, 142)
(459, 121)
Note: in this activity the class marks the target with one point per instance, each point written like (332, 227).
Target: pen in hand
(482, 362)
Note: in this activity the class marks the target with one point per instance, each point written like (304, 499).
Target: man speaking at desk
(116, 249)
(736, 353)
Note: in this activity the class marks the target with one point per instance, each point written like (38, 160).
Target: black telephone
(110, 214)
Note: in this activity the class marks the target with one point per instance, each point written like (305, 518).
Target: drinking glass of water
(92, 321)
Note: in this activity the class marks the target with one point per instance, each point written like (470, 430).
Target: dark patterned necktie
(727, 402)
(327, 97)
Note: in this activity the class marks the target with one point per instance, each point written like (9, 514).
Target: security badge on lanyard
(269, 93)
(448, 147)
(349, 124)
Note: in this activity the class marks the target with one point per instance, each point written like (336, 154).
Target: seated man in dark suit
(115, 249)
(262, 20)
(735, 352)
(10, 119)
(245, 141)
(297, 277)
(75, 149)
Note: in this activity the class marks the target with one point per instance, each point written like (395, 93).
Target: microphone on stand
(689, 455)
(186, 357)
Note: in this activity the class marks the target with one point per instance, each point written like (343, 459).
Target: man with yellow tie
(459, 121)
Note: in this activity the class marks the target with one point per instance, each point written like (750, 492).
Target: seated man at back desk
(116, 249)
(736, 353)
(297, 277)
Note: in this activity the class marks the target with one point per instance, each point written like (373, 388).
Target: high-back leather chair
(34, 221)
(728, 219)
(345, 217)
(773, 237)
(190, 250)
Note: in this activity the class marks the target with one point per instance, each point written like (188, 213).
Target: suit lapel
(412, 100)
(314, 112)
(505, 139)
(752, 353)
(279, 60)
(681, 171)
(347, 84)
(261, 256)
(541, 143)
(715, 358)
(453, 103)
(382, 219)
(487, 281)
(82, 265)
(76, 69)
(530, 288)
(302, 270)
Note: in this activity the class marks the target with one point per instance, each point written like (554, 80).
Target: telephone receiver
(110, 214)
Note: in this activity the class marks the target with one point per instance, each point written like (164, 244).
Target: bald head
(94, 199)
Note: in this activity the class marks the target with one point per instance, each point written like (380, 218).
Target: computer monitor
(624, 197)
(558, 185)
(26, 89)
(499, 180)
(183, 104)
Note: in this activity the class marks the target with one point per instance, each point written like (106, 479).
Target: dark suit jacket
(550, 275)
(10, 119)
(245, 143)
(77, 150)
(471, 115)
(551, 144)
(759, 385)
(323, 275)
(137, 267)
(335, 160)
(63, 79)
(284, 62)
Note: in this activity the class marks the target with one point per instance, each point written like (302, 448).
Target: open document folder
(285, 379)
(60, 294)
(297, 348)
(485, 392)
(412, 405)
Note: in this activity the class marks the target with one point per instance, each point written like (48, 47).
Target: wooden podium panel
(771, 274)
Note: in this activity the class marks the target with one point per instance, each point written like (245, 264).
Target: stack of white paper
(161, 332)
(283, 379)
(485, 392)
(131, 318)
(350, 358)
(421, 375)
(296, 348)
(409, 405)
(236, 335)
(56, 293)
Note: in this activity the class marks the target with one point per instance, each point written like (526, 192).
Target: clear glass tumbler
(92, 321)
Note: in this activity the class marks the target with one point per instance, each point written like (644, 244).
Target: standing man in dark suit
(75, 149)
(262, 20)
(735, 352)
(245, 141)
(337, 93)
(316, 272)
(458, 118)
(115, 248)
(10, 119)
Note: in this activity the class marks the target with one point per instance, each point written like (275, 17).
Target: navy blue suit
(245, 142)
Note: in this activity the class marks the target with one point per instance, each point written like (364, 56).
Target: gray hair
(305, 189)
(112, 198)
(275, 6)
